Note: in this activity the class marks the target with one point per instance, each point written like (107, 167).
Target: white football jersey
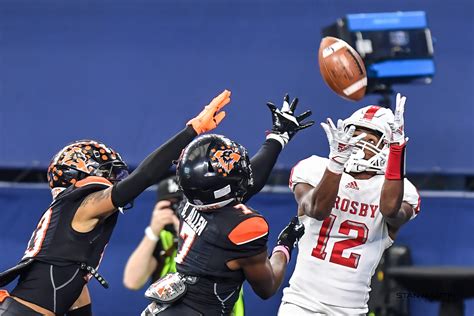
(338, 256)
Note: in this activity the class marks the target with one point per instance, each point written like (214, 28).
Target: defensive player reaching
(285, 126)
(223, 242)
(88, 183)
(352, 206)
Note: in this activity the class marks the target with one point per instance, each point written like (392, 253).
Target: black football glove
(285, 123)
(291, 234)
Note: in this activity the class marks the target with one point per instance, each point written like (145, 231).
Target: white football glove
(341, 144)
(398, 125)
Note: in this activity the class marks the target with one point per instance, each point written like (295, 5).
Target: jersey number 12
(336, 256)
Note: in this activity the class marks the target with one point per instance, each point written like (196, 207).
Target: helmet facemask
(374, 119)
(113, 171)
(357, 162)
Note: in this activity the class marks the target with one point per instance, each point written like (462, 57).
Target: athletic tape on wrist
(335, 167)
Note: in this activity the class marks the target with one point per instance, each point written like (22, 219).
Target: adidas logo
(352, 185)
(342, 147)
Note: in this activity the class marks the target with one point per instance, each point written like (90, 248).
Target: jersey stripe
(3, 295)
(38, 236)
(249, 230)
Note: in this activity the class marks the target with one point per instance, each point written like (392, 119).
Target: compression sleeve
(262, 164)
(152, 169)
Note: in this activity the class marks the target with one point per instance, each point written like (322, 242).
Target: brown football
(342, 68)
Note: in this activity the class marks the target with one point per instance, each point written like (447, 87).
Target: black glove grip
(291, 234)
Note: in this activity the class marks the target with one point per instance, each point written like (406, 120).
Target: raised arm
(285, 125)
(317, 202)
(395, 211)
(103, 203)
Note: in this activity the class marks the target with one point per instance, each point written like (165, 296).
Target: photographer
(154, 256)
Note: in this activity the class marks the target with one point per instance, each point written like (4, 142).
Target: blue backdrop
(440, 235)
(131, 73)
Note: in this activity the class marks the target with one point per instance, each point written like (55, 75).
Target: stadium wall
(440, 235)
(131, 73)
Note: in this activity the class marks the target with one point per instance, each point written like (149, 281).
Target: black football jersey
(207, 241)
(50, 273)
(54, 240)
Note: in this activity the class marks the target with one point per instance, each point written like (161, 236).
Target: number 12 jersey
(338, 256)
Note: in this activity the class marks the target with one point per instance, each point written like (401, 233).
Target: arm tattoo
(96, 197)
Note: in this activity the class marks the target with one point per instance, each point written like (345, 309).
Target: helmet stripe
(369, 115)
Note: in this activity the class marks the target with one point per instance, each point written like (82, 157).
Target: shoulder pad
(84, 187)
(93, 180)
(249, 230)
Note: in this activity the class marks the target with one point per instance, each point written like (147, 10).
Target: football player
(89, 185)
(222, 242)
(232, 166)
(352, 205)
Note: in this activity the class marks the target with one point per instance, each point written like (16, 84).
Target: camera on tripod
(396, 47)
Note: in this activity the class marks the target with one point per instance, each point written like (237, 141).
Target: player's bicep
(96, 205)
(302, 192)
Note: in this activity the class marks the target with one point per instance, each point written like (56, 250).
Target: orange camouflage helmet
(85, 158)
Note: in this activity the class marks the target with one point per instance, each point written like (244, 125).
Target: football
(342, 68)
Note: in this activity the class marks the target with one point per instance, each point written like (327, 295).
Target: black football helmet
(85, 158)
(214, 171)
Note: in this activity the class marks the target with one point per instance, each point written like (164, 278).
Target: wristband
(396, 162)
(279, 138)
(284, 250)
(150, 234)
(335, 167)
